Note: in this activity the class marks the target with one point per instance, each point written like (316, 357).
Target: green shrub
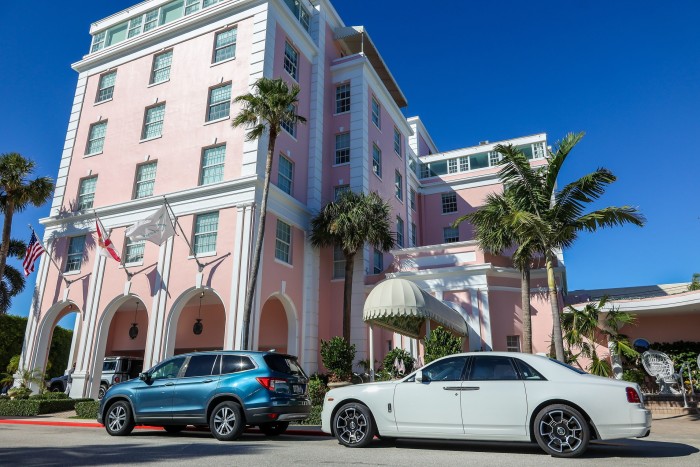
(337, 355)
(49, 396)
(19, 408)
(317, 390)
(398, 354)
(87, 409)
(634, 375)
(19, 392)
(441, 343)
(314, 416)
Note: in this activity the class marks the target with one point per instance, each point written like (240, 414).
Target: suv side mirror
(145, 377)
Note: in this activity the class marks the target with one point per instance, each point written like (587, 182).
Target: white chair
(660, 366)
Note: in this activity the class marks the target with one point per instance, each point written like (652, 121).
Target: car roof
(234, 352)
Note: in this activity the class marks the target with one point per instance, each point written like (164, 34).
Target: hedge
(32, 407)
(87, 409)
(314, 416)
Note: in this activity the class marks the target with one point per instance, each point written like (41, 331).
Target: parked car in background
(57, 384)
(224, 390)
(117, 370)
(490, 396)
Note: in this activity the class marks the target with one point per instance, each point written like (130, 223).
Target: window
(412, 195)
(133, 251)
(205, 227)
(339, 190)
(96, 138)
(208, 3)
(414, 235)
(98, 41)
(399, 231)
(235, 363)
(161, 67)
(201, 365)
(285, 175)
(538, 150)
(291, 61)
(494, 158)
(449, 369)
(219, 102)
(225, 45)
(452, 166)
(283, 242)
(151, 20)
(338, 263)
(212, 165)
(76, 246)
(342, 98)
(191, 6)
(105, 89)
(376, 113)
(378, 261)
(86, 193)
(463, 164)
(299, 12)
(134, 26)
(377, 161)
(450, 234)
(342, 148)
(513, 343)
(145, 180)
(492, 369)
(168, 369)
(398, 182)
(449, 203)
(527, 372)
(153, 122)
(397, 141)
(290, 126)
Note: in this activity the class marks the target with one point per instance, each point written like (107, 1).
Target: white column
(474, 321)
(309, 312)
(358, 329)
(241, 263)
(371, 352)
(486, 319)
(615, 360)
(155, 347)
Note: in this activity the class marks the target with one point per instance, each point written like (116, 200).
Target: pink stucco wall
(273, 327)
(665, 327)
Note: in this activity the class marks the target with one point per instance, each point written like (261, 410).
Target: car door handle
(169, 384)
(207, 381)
(470, 388)
(452, 388)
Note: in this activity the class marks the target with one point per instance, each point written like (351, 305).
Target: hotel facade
(151, 123)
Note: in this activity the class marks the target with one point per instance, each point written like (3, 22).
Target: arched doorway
(197, 322)
(277, 328)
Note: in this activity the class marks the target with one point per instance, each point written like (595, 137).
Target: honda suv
(224, 390)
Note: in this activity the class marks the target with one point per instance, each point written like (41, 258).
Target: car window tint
(109, 366)
(168, 369)
(492, 369)
(449, 369)
(235, 363)
(576, 370)
(200, 365)
(284, 364)
(528, 372)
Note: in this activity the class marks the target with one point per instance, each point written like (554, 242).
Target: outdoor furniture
(660, 366)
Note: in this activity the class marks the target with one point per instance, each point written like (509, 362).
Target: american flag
(34, 250)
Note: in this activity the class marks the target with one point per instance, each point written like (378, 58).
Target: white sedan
(491, 396)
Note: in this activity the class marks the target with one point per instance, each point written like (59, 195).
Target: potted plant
(337, 355)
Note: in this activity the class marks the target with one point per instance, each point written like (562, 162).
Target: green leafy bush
(634, 375)
(398, 354)
(314, 416)
(19, 392)
(317, 390)
(87, 409)
(31, 407)
(441, 343)
(49, 396)
(337, 356)
(682, 352)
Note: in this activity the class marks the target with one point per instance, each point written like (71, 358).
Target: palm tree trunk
(347, 295)
(554, 303)
(6, 232)
(527, 318)
(253, 276)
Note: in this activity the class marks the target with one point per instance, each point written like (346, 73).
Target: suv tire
(226, 421)
(118, 419)
(103, 390)
(274, 428)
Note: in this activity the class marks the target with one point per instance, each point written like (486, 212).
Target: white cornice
(432, 248)
(471, 179)
(421, 127)
(539, 137)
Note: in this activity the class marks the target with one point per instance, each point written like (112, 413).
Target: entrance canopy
(401, 306)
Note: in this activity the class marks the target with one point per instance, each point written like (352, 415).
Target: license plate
(298, 389)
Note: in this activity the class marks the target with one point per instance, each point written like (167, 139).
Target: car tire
(118, 419)
(174, 429)
(57, 388)
(561, 431)
(274, 428)
(353, 425)
(103, 390)
(226, 421)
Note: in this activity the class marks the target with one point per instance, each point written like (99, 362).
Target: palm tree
(694, 283)
(553, 219)
(493, 230)
(16, 193)
(350, 222)
(13, 281)
(271, 104)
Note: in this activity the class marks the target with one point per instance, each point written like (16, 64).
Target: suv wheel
(118, 420)
(273, 429)
(226, 421)
(103, 390)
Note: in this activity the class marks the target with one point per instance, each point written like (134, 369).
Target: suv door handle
(169, 384)
(207, 381)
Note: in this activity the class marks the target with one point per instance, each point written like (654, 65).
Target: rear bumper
(282, 413)
(639, 425)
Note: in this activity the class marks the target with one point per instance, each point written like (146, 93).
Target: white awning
(401, 306)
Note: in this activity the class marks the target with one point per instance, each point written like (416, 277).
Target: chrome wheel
(561, 431)
(353, 425)
(117, 417)
(118, 420)
(226, 421)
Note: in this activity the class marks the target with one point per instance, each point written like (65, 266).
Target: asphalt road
(673, 442)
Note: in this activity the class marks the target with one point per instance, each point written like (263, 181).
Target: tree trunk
(527, 318)
(554, 303)
(253, 276)
(6, 232)
(347, 295)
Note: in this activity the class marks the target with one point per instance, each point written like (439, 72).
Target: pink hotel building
(151, 118)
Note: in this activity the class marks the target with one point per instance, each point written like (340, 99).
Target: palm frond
(609, 217)
(557, 158)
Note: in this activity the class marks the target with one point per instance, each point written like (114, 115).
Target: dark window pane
(492, 369)
(200, 365)
(284, 364)
(528, 372)
(449, 369)
(235, 363)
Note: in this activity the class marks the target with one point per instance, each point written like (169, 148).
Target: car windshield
(576, 370)
(284, 364)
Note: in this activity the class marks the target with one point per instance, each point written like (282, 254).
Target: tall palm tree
(350, 222)
(17, 192)
(271, 104)
(493, 230)
(553, 218)
(13, 281)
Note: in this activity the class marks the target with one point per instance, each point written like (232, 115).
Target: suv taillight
(632, 396)
(274, 384)
(116, 379)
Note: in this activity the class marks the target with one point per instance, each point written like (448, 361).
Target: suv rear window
(201, 365)
(284, 364)
(235, 363)
(109, 366)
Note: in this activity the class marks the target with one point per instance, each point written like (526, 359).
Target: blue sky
(625, 72)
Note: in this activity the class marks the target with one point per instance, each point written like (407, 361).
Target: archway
(197, 321)
(277, 328)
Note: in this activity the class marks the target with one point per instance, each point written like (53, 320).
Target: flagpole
(177, 223)
(50, 256)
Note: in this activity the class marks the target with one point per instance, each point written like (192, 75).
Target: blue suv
(224, 390)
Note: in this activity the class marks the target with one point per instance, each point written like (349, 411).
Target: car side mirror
(145, 377)
(419, 376)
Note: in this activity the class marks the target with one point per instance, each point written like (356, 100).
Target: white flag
(156, 228)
